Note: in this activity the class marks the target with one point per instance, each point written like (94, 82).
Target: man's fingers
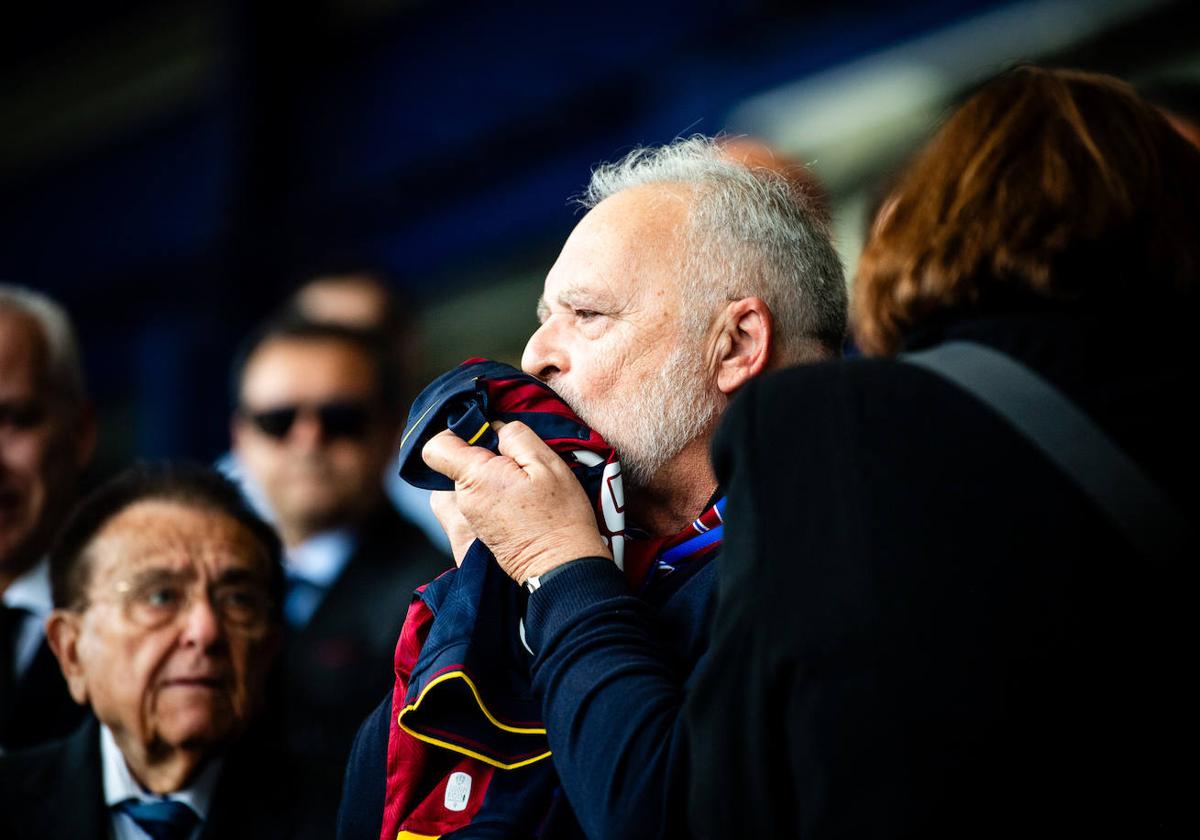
(520, 443)
(445, 507)
(450, 455)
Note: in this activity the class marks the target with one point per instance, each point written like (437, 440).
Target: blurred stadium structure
(171, 168)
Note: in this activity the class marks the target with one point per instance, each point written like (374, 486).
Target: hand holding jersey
(547, 519)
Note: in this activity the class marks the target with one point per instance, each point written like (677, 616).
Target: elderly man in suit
(46, 437)
(166, 621)
(315, 427)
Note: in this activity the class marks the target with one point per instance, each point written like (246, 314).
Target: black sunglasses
(346, 420)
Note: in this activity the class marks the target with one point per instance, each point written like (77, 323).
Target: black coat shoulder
(55, 789)
(921, 620)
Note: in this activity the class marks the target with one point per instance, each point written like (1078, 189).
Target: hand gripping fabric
(466, 745)
(469, 398)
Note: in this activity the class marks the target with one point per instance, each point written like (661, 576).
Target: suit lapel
(76, 809)
(252, 798)
(42, 704)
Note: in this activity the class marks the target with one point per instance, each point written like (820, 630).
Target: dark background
(170, 169)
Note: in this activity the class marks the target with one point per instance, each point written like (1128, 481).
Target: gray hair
(750, 233)
(64, 369)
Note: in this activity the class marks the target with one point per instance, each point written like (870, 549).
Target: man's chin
(197, 723)
(317, 511)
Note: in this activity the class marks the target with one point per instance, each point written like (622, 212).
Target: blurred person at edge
(689, 276)
(1179, 102)
(754, 153)
(47, 434)
(945, 633)
(316, 424)
(166, 620)
(366, 300)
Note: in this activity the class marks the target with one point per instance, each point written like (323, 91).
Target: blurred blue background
(171, 169)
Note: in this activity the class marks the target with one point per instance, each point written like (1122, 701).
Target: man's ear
(62, 634)
(745, 334)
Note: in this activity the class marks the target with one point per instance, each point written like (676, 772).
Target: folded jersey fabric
(466, 745)
(462, 706)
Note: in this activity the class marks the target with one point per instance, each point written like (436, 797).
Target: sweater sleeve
(365, 786)
(611, 702)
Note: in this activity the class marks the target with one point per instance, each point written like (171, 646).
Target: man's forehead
(596, 288)
(171, 535)
(642, 219)
(298, 351)
(633, 235)
(308, 368)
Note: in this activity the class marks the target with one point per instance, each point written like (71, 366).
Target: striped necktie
(161, 819)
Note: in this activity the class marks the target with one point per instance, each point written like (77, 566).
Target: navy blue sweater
(612, 669)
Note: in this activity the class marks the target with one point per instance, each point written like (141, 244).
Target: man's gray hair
(751, 234)
(64, 369)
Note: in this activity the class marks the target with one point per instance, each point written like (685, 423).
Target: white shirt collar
(321, 558)
(31, 591)
(120, 785)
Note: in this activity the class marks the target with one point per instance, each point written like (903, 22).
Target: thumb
(451, 456)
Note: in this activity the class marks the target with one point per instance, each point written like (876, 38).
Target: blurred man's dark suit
(338, 665)
(56, 790)
(34, 704)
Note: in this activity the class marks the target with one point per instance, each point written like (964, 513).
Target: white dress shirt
(120, 785)
(30, 592)
(317, 561)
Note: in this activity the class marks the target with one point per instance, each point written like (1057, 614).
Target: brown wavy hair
(1045, 186)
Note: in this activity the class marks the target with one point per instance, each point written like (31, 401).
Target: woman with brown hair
(955, 593)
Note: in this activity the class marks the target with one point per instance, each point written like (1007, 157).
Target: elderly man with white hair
(690, 275)
(46, 438)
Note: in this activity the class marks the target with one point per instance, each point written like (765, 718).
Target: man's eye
(23, 416)
(242, 604)
(239, 597)
(586, 314)
(161, 597)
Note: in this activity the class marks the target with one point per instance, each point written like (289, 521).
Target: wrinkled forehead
(631, 243)
(177, 537)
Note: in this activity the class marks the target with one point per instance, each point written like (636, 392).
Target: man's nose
(201, 624)
(544, 356)
(306, 432)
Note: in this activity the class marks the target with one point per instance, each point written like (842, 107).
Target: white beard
(652, 425)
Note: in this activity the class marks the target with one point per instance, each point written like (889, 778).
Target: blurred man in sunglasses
(315, 427)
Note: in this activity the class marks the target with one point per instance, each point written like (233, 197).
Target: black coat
(335, 668)
(57, 791)
(42, 710)
(924, 628)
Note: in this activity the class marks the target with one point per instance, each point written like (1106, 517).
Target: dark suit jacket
(42, 708)
(337, 666)
(924, 628)
(56, 791)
